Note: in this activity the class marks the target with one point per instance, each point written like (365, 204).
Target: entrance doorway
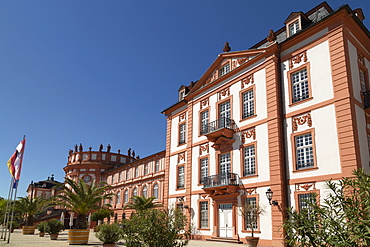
(225, 220)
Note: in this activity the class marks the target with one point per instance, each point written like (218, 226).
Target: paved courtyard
(17, 239)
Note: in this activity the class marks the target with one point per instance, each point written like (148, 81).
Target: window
(294, 28)
(203, 215)
(155, 191)
(181, 95)
(182, 133)
(224, 115)
(145, 192)
(225, 163)
(251, 219)
(146, 169)
(127, 174)
(224, 69)
(125, 198)
(93, 156)
(136, 172)
(249, 161)
(113, 158)
(304, 151)
(180, 177)
(118, 197)
(134, 192)
(304, 200)
(300, 86)
(248, 104)
(156, 166)
(204, 117)
(203, 169)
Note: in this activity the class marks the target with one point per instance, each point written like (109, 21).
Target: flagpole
(6, 216)
(15, 185)
(10, 205)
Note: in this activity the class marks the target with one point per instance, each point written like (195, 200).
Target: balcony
(221, 184)
(367, 101)
(220, 132)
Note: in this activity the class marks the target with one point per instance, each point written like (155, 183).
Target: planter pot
(95, 229)
(11, 230)
(41, 234)
(109, 245)
(78, 236)
(54, 236)
(28, 230)
(252, 241)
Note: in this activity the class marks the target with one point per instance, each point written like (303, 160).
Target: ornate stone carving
(181, 157)
(360, 58)
(302, 120)
(204, 103)
(234, 64)
(204, 148)
(272, 37)
(297, 59)
(250, 191)
(306, 186)
(224, 93)
(242, 60)
(227, 47)
(223, 144)
(248, 134)
(182, 117)
(247, 80)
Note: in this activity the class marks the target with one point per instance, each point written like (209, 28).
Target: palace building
(282, 117)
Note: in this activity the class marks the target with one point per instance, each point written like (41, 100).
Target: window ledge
(248, 118)
(249, 231)
(306, 169)
(203, 229)
(300, 102)
(249, 176)
(180, 189)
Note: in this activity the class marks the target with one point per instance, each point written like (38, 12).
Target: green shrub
(42, 226)
(109, 233)
(54, 226)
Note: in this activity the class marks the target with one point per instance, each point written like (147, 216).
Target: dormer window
(294, 28)
(224, 69)
(181, 95)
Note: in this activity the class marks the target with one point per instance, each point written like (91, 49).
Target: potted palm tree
(41, 227)
(54, 227)
(30, 207)
(109, 234)
(81, 199)
(250, 213)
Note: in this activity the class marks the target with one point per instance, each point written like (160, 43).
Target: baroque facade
(283, 116)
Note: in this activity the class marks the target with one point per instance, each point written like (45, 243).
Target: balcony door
(224, 114)
(225, 220)
(225, 163)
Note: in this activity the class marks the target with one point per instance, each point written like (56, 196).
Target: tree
(30, 207)
(101, 214)
(81, 198)
(156, 228)
(341, 220)
(141, 203)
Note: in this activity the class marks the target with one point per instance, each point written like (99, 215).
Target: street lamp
(269, 194)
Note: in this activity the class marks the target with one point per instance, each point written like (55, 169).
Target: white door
(225, 220)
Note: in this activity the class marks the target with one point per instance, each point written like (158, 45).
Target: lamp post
(269, 194)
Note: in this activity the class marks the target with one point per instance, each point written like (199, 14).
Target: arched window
(118, 197)
(155, 191)
(145, 192)
(134, 192)
(125, 197)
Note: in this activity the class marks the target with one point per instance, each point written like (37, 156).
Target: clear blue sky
(96, 72)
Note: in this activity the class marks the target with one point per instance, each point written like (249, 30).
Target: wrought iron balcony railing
(366, 99)
(222, 123)
(221, 179)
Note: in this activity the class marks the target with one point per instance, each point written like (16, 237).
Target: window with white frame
(136, 172)
(125, 198)
(304, 201)
(180, 177)
(249, 161)
(204, 115)
(182, 133)
(204, 214)
(251, 219)
(127, 174)
(134, 192)
(294, 28)
(118, 197)
(145, 192)
(300, 86)
(155, 190)
(248, 104)
(156, 166)
(304, 151)
(203, 169)
(146, 169)
(225, 163)
(224, 69)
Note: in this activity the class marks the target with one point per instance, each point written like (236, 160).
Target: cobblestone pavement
(17, 239)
